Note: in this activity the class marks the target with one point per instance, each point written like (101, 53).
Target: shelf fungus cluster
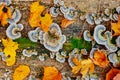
(52, 40)
(29, 53)
(104, 16)
(97, 47)
(114, 58)
(59, 8)
(100, 38)
(34, 34)
(60, 57)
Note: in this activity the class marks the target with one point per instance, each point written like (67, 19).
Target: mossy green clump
(80, 44)
(25, 43)
(67, 46)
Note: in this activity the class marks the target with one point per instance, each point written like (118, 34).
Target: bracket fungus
(58, 2)
(104, 39)
(84, 52)
(28, 53)
(89, 19)
(54, 11)
(34, 34)
(98, 34)
(87, 36)
(41, 57)
(63, 9)
(114, 17)
(106, 15)
(118, 41)
(107, 11)
(16, 16)
(108, 44)
(97, 20)
(53, 39)
(74, 54)
(3, 56)
(60, 58)
(14, 31)
(118, 9)
(8, 2)
(113, 59)
(65, 76)
(71, 13)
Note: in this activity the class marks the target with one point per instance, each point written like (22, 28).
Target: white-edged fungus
(108, 44)
(54, 11)
(53, 39)
(118, 9)
(71, 14)
(34, 34)
(14, 31)
(42, 58)
(106, 18)
(60, 58)
(63, 9)
(8, 2)
(97, 20)
(63, 53)
(52, 55)
(118, 41)
(74, 54)
(114, 17)
(89, 19)
(92, 52)
(82, 17)
(99, 38)
(65, 77)
(84, 52)
(113, 58)
(3, 56)
(16, 16)
(28, 53)
(104, 39)
(118, 53)
(61, 3)
(32, 78)
(107, 11)
(87, 36)
(56, 2)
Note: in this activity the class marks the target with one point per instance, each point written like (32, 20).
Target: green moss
(114, 39)
(25, 42)
(80, 43)
(67, 47)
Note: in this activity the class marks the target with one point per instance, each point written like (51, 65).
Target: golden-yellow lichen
(5, 13)
(21, 72)
(10, 48)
